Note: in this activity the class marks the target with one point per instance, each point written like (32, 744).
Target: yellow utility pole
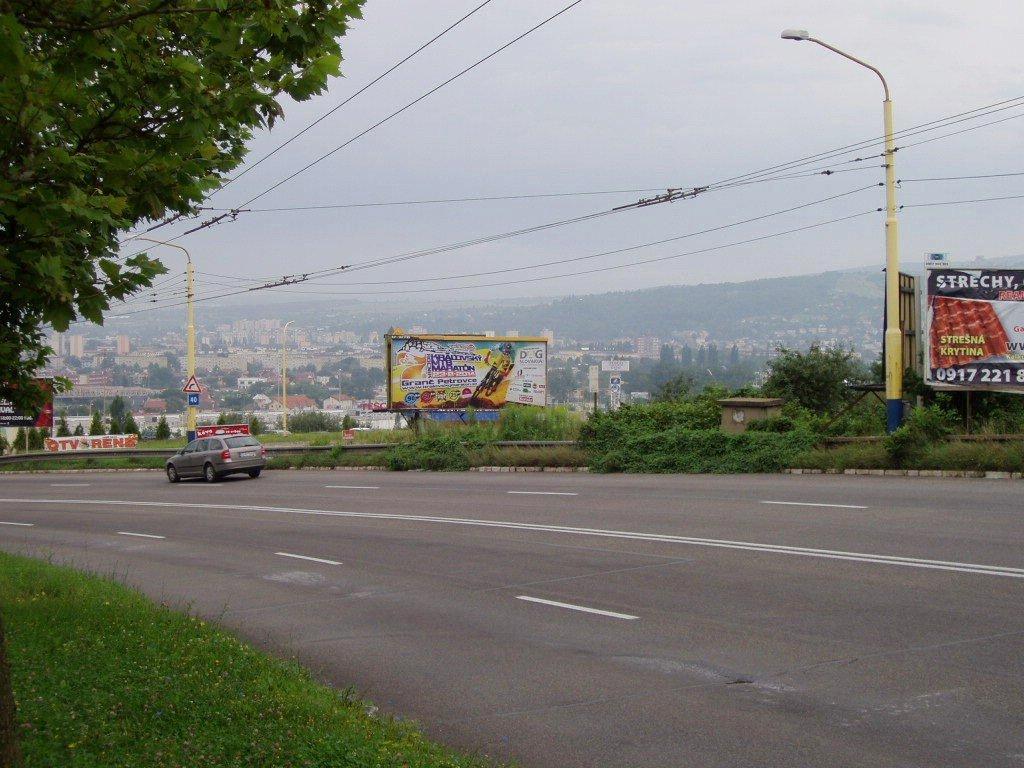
(284, 376)
(190, 295)
(893, 334)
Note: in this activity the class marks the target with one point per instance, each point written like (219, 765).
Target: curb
(108, 470)
(947, 473)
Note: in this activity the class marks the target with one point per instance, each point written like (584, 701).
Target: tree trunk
(9, 753)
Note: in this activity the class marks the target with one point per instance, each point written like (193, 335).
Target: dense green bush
(686, 450)
(772, 424)
(437, 451)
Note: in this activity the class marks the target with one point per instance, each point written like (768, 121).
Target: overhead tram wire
(412, 103)
(362, 90)
(588, 271)
(819, 157)
(250, 289)
(238, 209)
(330, 112)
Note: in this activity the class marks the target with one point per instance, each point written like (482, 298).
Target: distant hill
(845, 304)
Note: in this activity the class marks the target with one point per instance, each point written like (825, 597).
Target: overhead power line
(331, 111)
(412, 103)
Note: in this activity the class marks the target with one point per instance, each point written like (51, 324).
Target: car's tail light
(225, 455)
(263, 451)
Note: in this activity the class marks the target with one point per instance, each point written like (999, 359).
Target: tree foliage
(163, 430)
(129, 425)
(96, 425)
(62, 425)
(113, 112)
(815, 379)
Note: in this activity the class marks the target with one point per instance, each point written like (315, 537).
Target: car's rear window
(241, 442)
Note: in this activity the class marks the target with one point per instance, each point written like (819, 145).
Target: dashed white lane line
(70, 485)
(583, 608)
(307, 557)
(814, 504)
(141, 535)
(356, 487)
(541, 493)
(26, 525)
(663, 538)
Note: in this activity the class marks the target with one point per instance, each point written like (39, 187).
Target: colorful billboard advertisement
(451, 372)
(12, 417)
(222, 430)
(81, 444)
(975, 329)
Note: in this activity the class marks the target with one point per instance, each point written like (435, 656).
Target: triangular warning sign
(192, 385)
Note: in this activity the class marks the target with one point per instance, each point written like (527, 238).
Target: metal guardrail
(280, 450)
(847, 440)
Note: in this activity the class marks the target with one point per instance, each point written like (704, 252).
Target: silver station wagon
(212, 458)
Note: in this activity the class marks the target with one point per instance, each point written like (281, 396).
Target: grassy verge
(952, 455)
(57, 465)
(103, 677)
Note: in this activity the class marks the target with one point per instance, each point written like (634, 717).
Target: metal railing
(272, 450)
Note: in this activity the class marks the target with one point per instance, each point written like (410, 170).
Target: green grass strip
(103, 677)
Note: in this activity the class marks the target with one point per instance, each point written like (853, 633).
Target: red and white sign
(192, 386)
(221, 430)
(96, 443)
(348, 434)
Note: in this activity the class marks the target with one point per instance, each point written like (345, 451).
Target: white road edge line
(141, 535)
(572, 607)
(70, 485)
(542, 493)
(776, 549)
(307, 557)
(356, 487)
(26, 525)
(814, 504)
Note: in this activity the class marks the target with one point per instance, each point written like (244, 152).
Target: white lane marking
(356, 487)
(778, 549)
(542, 493)
(27, 525)
(813, 504)
(572, 607)
(141, 535)
(307, 557)
(70, 485)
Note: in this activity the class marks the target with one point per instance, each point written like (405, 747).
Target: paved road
(575, 620)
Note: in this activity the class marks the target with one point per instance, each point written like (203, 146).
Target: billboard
(82, 444)
(222, 430)
(450, 372)
(975, 329)
(11, 417)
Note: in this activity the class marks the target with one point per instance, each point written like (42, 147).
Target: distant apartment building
(76, 345)
(548, 334)
(512, 332)
(648, 346)
(57, 342)
(124, 345)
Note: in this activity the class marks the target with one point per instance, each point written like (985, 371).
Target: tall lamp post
(893, 333)
(284, 377)
(190, 294)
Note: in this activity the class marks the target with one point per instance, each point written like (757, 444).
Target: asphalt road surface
(577, 620)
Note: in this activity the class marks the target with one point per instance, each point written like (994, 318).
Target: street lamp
(284, 377)
(190, 294)
(893, 334)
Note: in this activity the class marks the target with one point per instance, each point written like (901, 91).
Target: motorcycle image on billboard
(449, 372)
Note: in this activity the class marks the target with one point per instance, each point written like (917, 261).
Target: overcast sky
(644, 94)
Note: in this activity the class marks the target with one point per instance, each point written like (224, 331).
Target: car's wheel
(172, 474)
(209, 473)
(254, 473)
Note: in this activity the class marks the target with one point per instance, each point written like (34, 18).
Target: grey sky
(617, 95)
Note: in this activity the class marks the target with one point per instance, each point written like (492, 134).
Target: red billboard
(222, 430)
(12, 417)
